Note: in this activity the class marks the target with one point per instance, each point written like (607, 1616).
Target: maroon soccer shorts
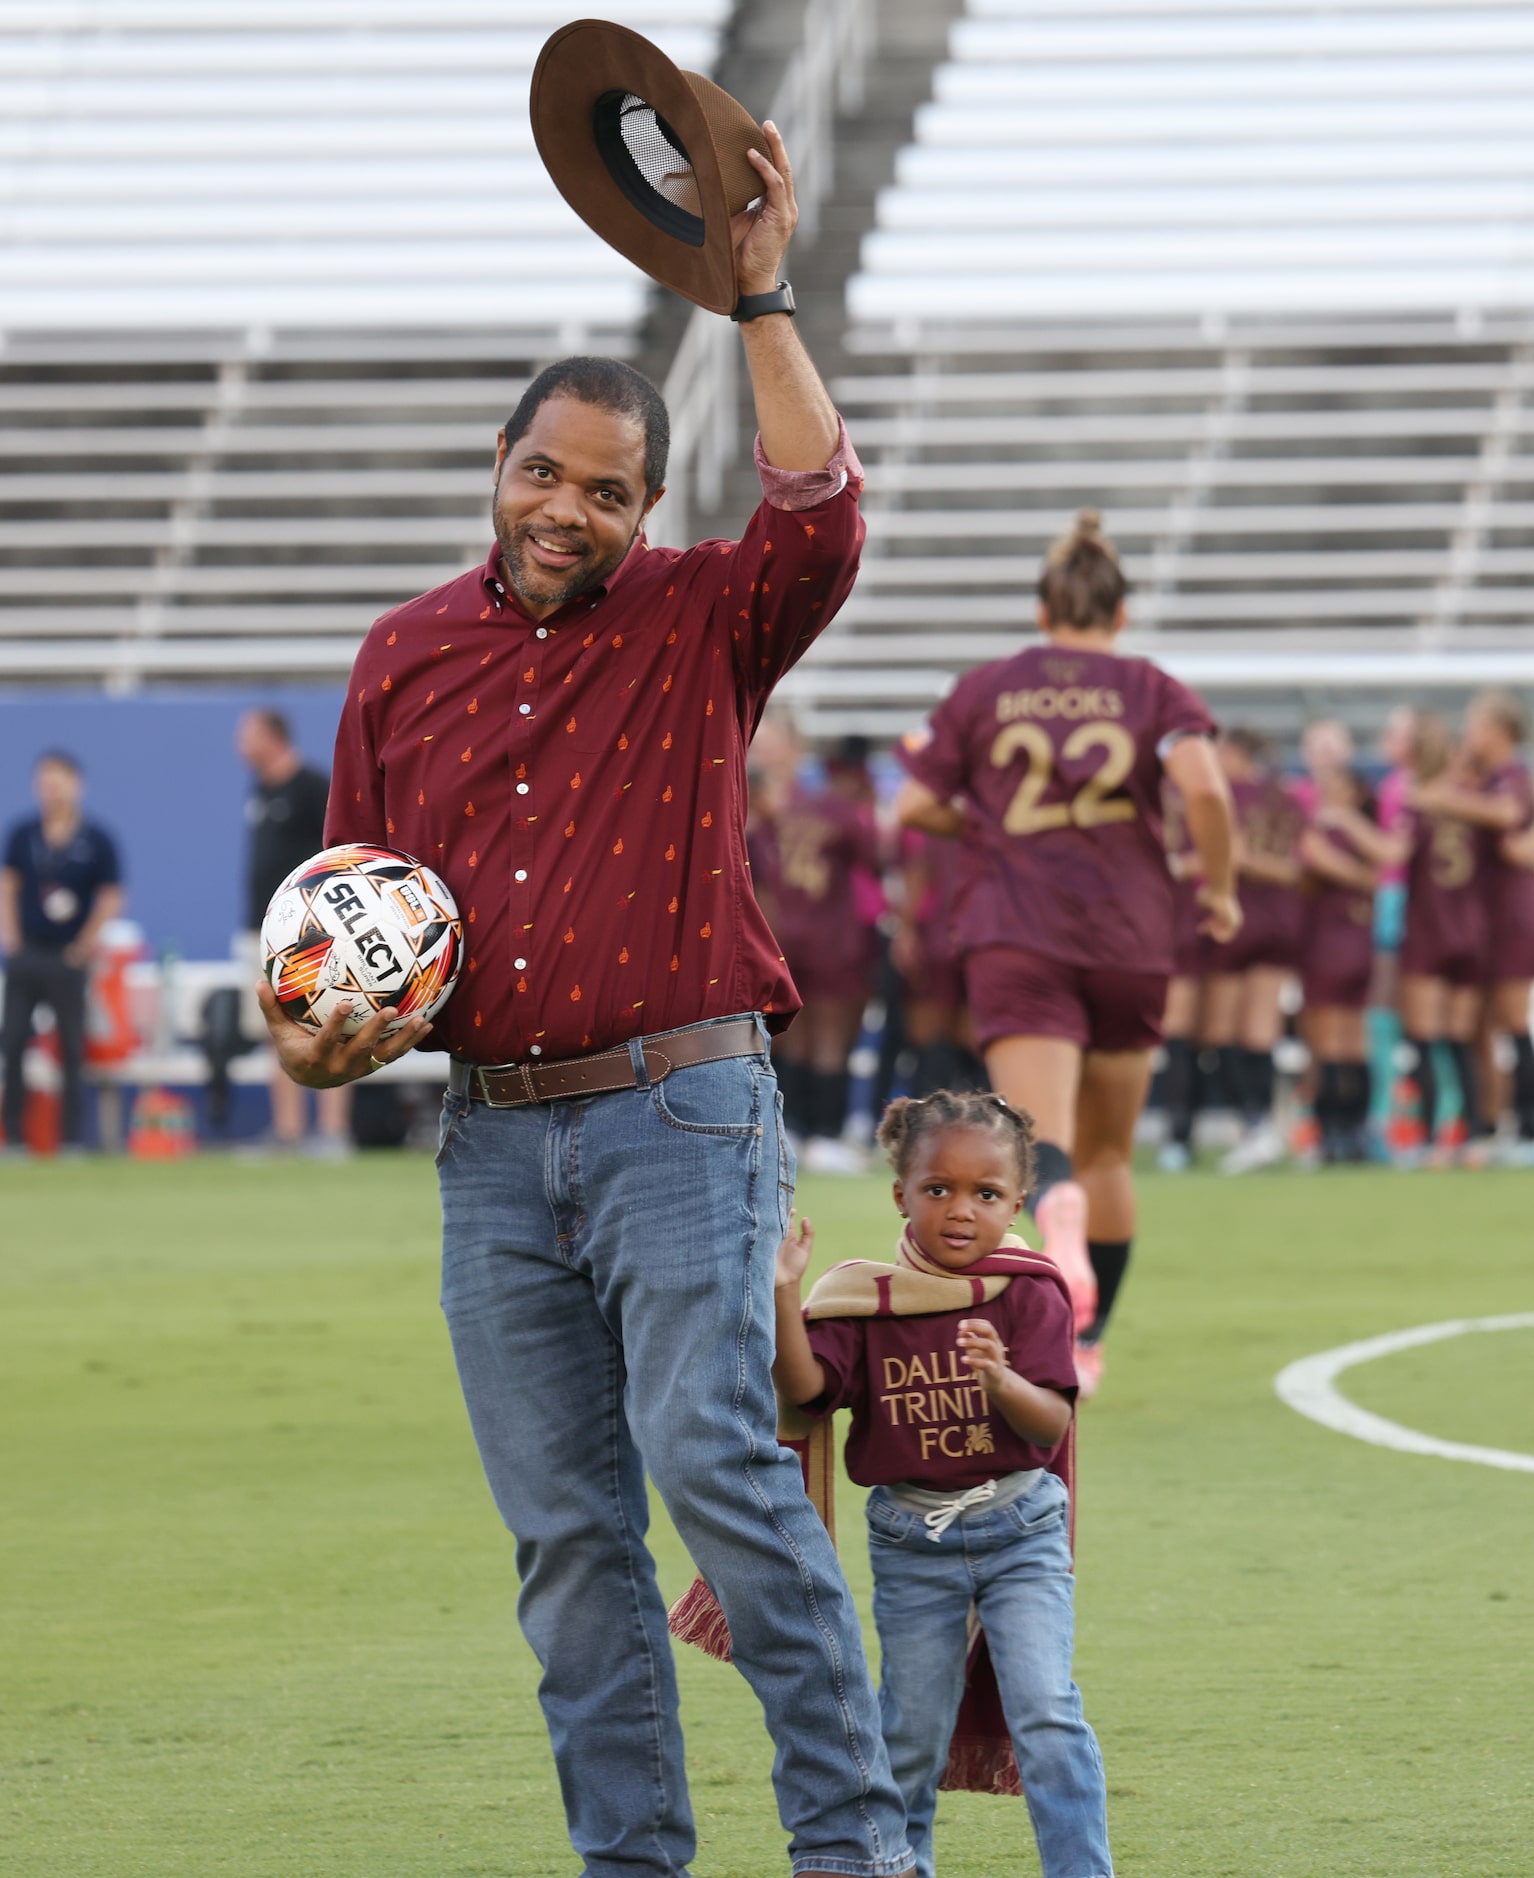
(1512, 956)
(1465, 970)
(1328, 988)
(1013, 993)
(827, 974)
(1260, 943)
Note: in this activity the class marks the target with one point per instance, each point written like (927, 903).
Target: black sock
(1110, 1258)
(1476, 1124)
(794, 1081)
(1329, 1103)
(1523, 1085)
(1354, 1087)
(1255, 1070)
(829, 1103)
(1217, 1065)
(1181, 1087)
(1051, 1165)
(1425, 1075)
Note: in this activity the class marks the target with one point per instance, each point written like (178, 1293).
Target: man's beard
(541, 586)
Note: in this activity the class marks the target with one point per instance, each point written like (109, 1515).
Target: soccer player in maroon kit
(1182, 1022)
(1049, 766)
(1445, 948)
(822, 838)
(1340, 851)
(1242, 1014)
(1491, 802)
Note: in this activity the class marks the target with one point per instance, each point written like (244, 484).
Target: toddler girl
(956, 1363)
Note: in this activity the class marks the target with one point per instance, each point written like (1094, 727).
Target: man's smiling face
(569, 500)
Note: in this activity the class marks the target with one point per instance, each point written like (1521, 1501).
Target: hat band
(607, 115)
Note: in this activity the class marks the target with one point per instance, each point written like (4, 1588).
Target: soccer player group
(1387, 921)
(1404, 911)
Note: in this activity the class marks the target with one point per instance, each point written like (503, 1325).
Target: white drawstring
(941, 1518)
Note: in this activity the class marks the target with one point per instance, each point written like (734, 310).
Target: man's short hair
(62, 759)
(276, 723)
(608, 385)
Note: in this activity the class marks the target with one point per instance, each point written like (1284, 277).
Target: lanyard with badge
(60, 904)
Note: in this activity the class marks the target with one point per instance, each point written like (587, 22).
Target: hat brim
(585, 62)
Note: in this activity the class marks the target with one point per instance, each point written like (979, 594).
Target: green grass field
(258, 1610)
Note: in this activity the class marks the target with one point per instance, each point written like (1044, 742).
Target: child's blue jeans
(1013, 1563)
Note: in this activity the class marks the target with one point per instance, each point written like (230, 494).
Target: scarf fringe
(981, 1767)
(698, 1618)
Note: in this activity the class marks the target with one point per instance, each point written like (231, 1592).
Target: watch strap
(751, 306)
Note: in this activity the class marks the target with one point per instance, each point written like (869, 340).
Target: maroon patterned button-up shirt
(580, 782)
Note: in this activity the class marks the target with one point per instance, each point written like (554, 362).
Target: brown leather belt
(516, 1085)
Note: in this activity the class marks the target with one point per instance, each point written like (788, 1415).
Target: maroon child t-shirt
(918, 1415)
(1059, 756)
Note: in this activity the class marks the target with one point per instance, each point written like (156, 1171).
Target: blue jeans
(607, 1277)
(1013, 1564)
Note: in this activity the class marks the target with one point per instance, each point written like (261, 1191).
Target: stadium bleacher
(1253, 277)
(266, 271)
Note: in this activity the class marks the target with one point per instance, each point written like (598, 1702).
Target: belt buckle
(481, 1073)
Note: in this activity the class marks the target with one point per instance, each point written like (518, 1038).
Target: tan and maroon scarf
(980, 1757)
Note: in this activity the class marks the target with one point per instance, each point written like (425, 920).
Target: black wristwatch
(751, 306)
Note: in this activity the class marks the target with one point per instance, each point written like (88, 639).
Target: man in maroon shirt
(562, 732)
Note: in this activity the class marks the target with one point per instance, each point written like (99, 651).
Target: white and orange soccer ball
(361, 928)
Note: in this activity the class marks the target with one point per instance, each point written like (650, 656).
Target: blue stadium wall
(162, 776)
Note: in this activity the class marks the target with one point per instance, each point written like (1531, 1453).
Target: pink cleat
(1061, 1217)
(1089, 1369)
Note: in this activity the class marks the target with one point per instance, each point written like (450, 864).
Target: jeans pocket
(887, 1524)
(1046, 1506)
(454, 1108)
(723, 1098)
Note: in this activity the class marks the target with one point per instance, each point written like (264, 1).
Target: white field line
(1308, 1386)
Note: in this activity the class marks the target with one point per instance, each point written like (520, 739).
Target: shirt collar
(503, 596)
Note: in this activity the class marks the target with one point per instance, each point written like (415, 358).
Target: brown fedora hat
(651, 157)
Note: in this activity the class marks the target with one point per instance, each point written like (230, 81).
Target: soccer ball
(361, 928)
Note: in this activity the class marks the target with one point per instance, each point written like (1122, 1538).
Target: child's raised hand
(984, 1351)
(796, 1251)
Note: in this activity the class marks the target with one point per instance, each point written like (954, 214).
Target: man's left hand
(761, 234)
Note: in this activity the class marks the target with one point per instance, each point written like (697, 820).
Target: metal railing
(824, 76)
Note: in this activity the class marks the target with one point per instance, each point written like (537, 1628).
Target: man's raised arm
(799, 426)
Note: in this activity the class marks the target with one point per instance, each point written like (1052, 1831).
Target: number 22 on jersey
(1093, 802)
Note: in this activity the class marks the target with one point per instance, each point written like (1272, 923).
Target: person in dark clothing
(59, 885)
(285, 813)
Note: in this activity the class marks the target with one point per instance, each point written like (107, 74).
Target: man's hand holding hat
(761, 234)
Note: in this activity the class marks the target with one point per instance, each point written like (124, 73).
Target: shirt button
(521, 874)
(542, 633)
(537, 1050)
(520, 964)
(525, 709)
(521, 789)
(499, 588)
